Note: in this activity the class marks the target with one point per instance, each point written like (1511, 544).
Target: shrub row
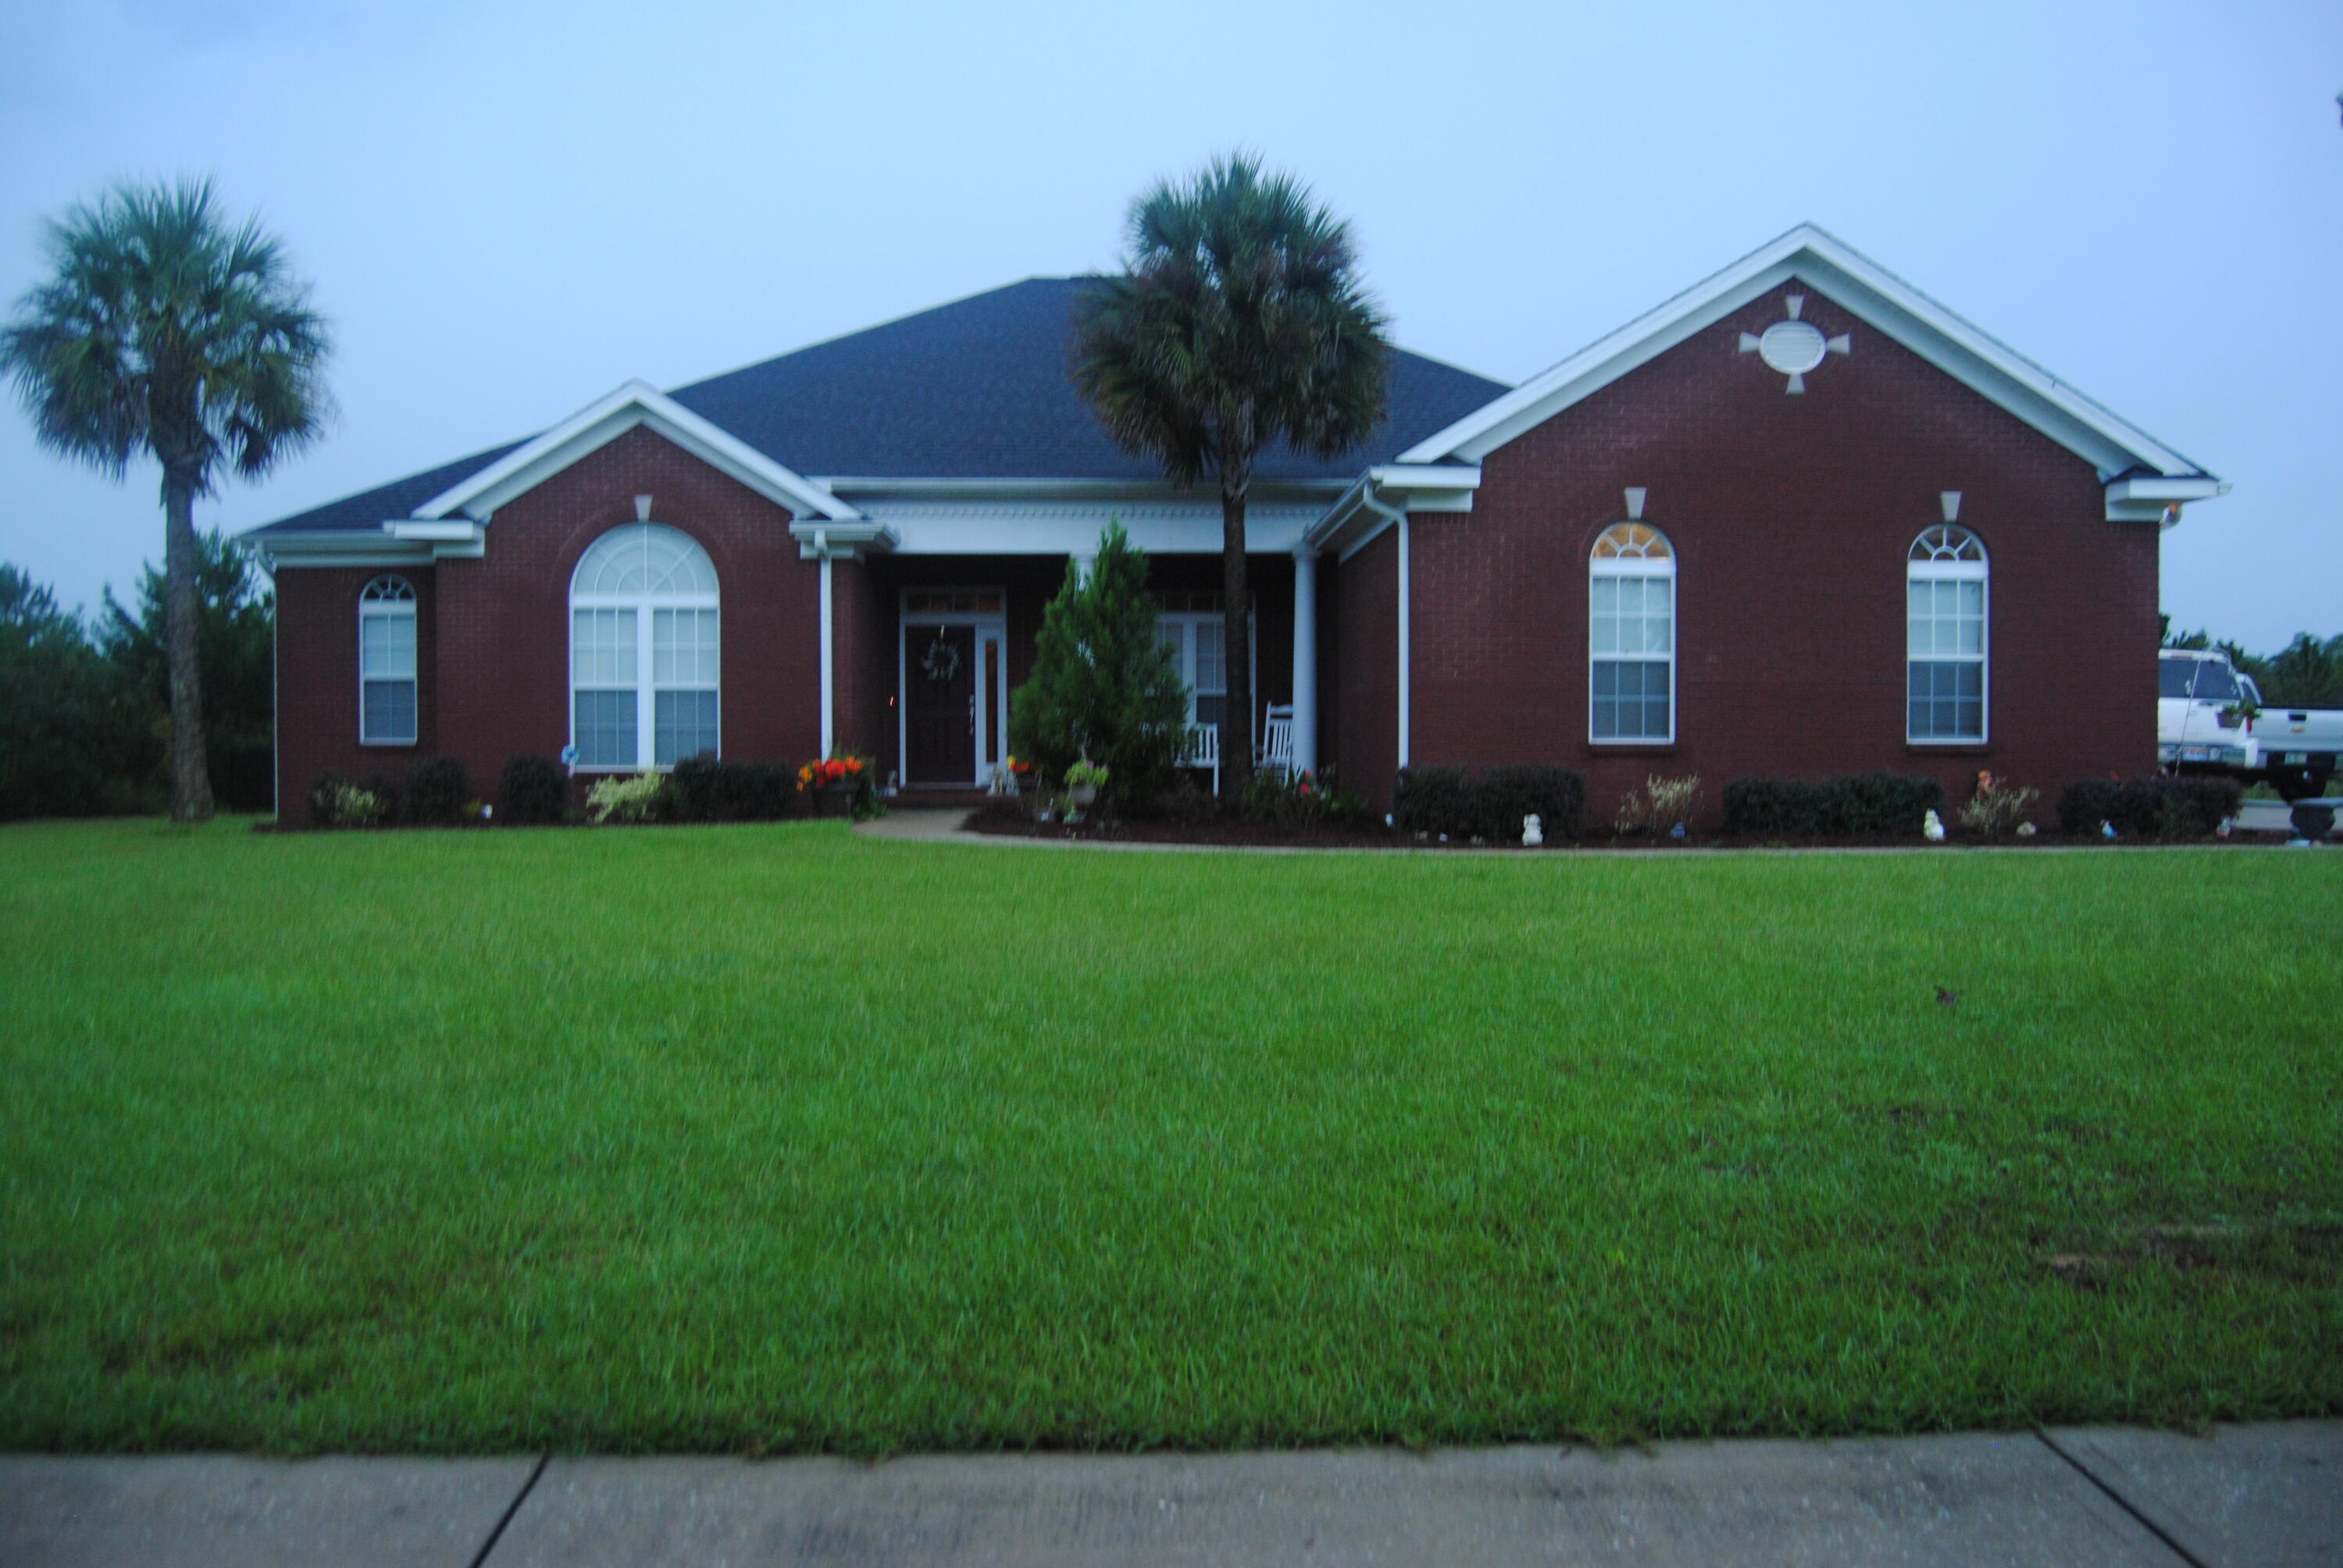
(1846, 807)
(437, 793)
(1490, 806)
(707, 790)
(2155, 808)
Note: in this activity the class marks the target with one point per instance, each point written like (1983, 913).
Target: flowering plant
(1085, 772)
(1996, 806)
(826, 772)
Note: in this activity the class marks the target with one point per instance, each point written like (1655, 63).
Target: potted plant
(1083, 781)
(833, 782)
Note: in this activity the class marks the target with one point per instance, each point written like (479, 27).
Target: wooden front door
(939, 703)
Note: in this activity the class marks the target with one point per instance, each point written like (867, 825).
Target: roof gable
(1868, 291)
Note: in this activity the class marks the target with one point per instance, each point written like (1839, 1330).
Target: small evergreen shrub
(1435, 800)
(2152, 807)
(693, 784)
(531, 792)
(1851, 805)
(1506, 794)
(436, 791)
(752, 792)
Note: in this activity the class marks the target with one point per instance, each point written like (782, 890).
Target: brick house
(1800, 520)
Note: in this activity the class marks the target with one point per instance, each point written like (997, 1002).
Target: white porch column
(828, 657)
(1305, 659)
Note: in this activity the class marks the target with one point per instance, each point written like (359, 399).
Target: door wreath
(941, 661)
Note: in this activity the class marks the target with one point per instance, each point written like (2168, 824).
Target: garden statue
(1932, 827)
(1532, 832)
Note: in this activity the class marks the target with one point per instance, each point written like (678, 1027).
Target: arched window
(386, 663)
(643, 656)
(1632, 636)
(1945, 644)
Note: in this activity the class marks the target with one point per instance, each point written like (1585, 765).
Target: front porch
(925, 653)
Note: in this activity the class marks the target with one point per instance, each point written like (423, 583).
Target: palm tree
(168, 332)
(1238, 321)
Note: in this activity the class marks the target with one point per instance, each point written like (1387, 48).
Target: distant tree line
(2306, 673)
(86, 702)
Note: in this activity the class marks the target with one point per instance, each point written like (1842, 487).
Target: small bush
(531, 792)
(1557, 796)
(693, 783)
(752, 792)
(1301, 800)
(629, 798)
(2152, 807)
(1658, 806)
(436, 791)
(1435, 800)
(1844, 807)
(1996, 807)
(336, 802)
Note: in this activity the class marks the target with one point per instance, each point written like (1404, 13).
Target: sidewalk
(2265, 1496)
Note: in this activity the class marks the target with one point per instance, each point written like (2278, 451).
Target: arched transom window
(1632, 636)
(644, 662)
(1945, 640)
(387, 705)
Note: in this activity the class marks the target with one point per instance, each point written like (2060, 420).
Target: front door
(940, 713)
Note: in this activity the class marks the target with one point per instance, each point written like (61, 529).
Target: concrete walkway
(2267, 1496)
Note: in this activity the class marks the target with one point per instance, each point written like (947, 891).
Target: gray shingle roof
(974, 389)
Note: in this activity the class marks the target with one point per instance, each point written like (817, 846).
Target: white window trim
(643, 605)
(372, 609)
(1192, 620)
(1634, 567)
(1979, 571)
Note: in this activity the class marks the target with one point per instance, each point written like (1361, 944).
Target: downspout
(1397, 516)
(828, 689)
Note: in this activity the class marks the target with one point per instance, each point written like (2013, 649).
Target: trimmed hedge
(532, 792)
(1448, 800)
(2152, 807)
(1846, 807)
(437, 792)
(707, 790)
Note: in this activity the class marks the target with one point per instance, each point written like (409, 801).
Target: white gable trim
(1870, 291)
(532, 463)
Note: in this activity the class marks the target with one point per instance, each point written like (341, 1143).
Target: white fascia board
(1852, 280)
(2162, 489)
(1425, 486)
(1072, 528)
(336, 548)
(821, 539)
(1049, 489)
(604, 421)
(458, 538)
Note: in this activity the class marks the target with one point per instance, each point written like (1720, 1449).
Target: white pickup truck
(2211, 719)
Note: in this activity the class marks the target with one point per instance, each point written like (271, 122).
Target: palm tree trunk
(1236, 642)
(191, 780)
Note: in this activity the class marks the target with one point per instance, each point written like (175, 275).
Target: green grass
(770, 1139)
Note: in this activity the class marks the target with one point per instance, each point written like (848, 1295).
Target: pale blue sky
(508, 209)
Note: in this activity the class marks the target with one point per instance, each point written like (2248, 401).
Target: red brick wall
(1361, 682)
(1791, 516)
(495, 632)
(317, 681)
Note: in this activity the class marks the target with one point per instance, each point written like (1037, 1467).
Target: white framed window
(1945, 637)
(645, 660)
(387, 704)
(1631, 626)
(1196, 632)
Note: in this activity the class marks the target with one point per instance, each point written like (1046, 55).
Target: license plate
(2295, 758)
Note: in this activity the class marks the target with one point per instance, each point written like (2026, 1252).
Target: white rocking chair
(1276, 749)
(1201, 749)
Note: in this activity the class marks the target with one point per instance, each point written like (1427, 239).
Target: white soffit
(1884, 301)
(604, 421)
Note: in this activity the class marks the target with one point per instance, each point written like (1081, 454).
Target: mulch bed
(1003, 820)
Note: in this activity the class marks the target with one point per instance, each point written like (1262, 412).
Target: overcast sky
(508, 209)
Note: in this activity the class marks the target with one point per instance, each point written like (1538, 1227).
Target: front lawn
(777, 1138)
